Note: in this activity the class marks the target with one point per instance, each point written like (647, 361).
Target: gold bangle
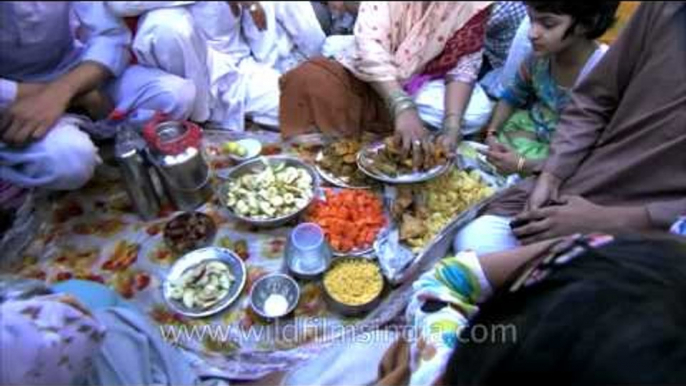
(520, 164)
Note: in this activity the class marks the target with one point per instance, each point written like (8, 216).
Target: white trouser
(66, 157)
(431, 107)
(292, 36)
(262, 93)
(486, 234)
(167, 38)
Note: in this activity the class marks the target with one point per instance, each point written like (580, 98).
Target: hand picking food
(351, 219)
(391, 161)
(202, 286)
(275, 192)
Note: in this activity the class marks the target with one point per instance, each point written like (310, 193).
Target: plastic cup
(310, 250)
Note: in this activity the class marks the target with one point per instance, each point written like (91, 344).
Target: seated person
(616, 159)
(45, 73)
(501, 31)
(232, 51)
(563, 37)
(580, 310)
(83, 333)
(287, 35)
(337, 18)
(414, 66)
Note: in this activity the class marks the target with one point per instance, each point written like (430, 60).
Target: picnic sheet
(93, 234)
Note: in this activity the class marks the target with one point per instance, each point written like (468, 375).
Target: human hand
(505, 160)
(546, 189)
(31, 117)
(412, 136)
(569, 215)
(491, 140)
(450, 141)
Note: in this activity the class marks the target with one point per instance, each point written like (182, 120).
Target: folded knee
(177, 98)
(72, 163)
(166, 28)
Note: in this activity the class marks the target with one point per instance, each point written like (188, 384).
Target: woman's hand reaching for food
(412, 136)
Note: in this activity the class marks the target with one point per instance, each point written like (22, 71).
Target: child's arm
(503, 112)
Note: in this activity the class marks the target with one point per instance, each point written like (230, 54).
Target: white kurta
(235, 67)
(293, 34)
(37, 44)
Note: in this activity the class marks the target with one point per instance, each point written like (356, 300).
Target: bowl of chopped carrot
(351, 219)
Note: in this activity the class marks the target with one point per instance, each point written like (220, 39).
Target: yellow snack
(445, 197)
(354, 282)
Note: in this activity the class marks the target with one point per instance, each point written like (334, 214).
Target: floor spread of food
(288, 239)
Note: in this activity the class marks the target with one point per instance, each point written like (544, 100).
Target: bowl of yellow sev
(353, 286)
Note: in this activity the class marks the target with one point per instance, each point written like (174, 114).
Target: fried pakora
(389, 160)
(340, 160)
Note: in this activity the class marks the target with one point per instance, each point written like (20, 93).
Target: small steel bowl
(201, 256)
(253, 149)
(255, 166)
(183, 221)
(348, 309)
(276, 283)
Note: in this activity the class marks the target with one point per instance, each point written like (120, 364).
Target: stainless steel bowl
(276, 283)
(353, 310)
(255, 166)
(200, 256)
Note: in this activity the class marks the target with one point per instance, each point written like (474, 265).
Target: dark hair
(596, 16)
(614, 315)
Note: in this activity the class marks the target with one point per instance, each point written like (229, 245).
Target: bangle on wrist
(405, 104)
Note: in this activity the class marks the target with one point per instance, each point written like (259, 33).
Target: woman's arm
(457, 95)
(458, 91)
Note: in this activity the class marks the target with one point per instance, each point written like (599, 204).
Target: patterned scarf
(467, 40)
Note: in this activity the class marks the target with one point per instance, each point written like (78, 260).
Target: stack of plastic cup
(308, 253)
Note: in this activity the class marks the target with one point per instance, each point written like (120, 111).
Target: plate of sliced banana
(204, 282)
